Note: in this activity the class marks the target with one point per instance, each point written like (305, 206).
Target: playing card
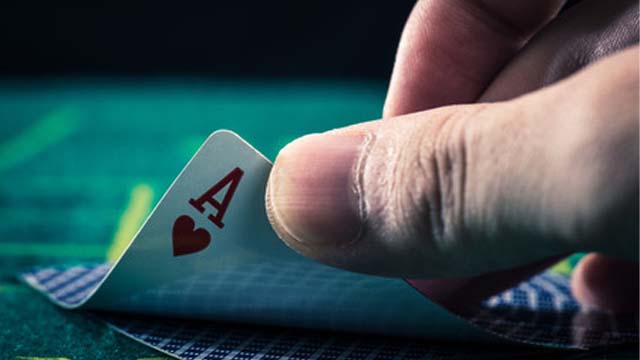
(210, 217)
(208, 251)
(540, 311)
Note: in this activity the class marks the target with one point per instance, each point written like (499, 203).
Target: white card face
(208, 251)
(193, 225)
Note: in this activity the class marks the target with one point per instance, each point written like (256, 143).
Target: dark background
(352, 39)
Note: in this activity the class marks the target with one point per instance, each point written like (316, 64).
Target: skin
(509, 139)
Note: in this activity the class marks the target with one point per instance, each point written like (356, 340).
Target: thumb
(466, 190)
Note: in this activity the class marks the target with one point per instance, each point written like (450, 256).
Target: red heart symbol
(186, 238)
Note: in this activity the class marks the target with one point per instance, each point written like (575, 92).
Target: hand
(485, 194)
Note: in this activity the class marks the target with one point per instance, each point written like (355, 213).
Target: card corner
(223, 133)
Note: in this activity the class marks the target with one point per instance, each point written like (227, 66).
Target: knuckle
(443, 159)
(433, 197)
(413, 182)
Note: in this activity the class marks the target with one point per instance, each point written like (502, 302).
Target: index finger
(450, 51)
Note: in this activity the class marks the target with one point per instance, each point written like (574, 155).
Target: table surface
(83, 161)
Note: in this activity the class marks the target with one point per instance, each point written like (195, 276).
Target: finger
(467, 190)
(605, 283)
(552, 54)
(451, 50)
(581, 35)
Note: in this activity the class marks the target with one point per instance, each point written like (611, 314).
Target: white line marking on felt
(136, 211)
(49, 130)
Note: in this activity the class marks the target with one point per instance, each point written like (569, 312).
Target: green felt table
(83, 161)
